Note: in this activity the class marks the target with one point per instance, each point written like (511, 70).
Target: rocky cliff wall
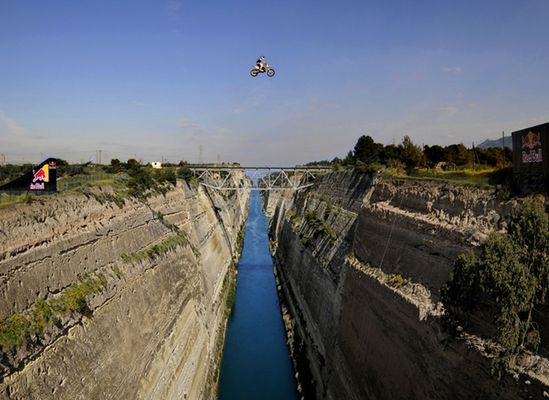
(153, 321)
(361, 262)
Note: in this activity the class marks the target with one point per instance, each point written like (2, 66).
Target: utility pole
(502, 140)
(2, 159)
(200, 150)
(475, 158)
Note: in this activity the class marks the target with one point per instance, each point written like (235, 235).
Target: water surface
(256, 363)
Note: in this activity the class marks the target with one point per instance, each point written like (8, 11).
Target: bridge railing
(257, 178)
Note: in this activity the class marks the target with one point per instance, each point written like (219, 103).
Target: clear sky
(156, 78)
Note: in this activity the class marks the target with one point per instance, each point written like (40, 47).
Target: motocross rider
(261, 63)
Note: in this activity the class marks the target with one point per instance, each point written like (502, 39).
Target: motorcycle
(264, 69)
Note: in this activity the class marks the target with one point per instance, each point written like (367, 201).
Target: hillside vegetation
(456, 162)
(504, 284)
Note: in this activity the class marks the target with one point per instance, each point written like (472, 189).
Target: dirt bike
(264, 69)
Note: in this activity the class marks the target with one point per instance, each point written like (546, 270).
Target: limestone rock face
(155, 329)
(361, 261)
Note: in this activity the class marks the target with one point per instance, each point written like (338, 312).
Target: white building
(156, 164)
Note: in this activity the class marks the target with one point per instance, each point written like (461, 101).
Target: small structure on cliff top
(531, 158)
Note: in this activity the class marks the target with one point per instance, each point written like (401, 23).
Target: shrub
(115, 166)
(508, 279)
(42, 314)
(319, 225)
(166, 175)
(328, 210)
(19, 327)
(184, 172)
(157, 250)
(11, 171)
(396, 281)
(240, 238)
(13, 331)
(140, 181)
(295, 220)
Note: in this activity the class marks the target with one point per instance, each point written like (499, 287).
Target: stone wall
(361, 262)
(155, 329)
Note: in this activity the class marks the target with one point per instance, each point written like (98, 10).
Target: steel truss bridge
(256, 178)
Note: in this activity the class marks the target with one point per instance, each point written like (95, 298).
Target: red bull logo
(531, 140)
(40, 177)
(531, 148)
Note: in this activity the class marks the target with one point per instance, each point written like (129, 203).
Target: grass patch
(18, 328)
(295, 221)
(157, 250)
(240, 238)
(83, 183)
(396, 281)
(231, 294)
(473, 176)
(328, 210)
(163, 221)
(319, 225)
(94, 177)
(117, 271)
(105, 182)
(11, 199)
(104, 198)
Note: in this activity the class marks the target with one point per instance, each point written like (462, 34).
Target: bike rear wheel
(254, 72)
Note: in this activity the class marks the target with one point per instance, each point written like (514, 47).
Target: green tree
(507, 280)
(458, 154)
(390, 153)
(133, 163)
(116, 166)
(433, 154)
(411, 154)
(366, 150)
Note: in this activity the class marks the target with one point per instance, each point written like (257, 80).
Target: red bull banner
(531, 147)
(40, 178)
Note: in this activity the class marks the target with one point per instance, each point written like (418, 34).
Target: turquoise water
(256, 363)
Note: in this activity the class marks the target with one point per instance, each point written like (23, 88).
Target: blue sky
(162, 78)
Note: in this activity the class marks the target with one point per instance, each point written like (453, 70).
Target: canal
(256, 363)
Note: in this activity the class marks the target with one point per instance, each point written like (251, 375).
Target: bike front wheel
(270, 72)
